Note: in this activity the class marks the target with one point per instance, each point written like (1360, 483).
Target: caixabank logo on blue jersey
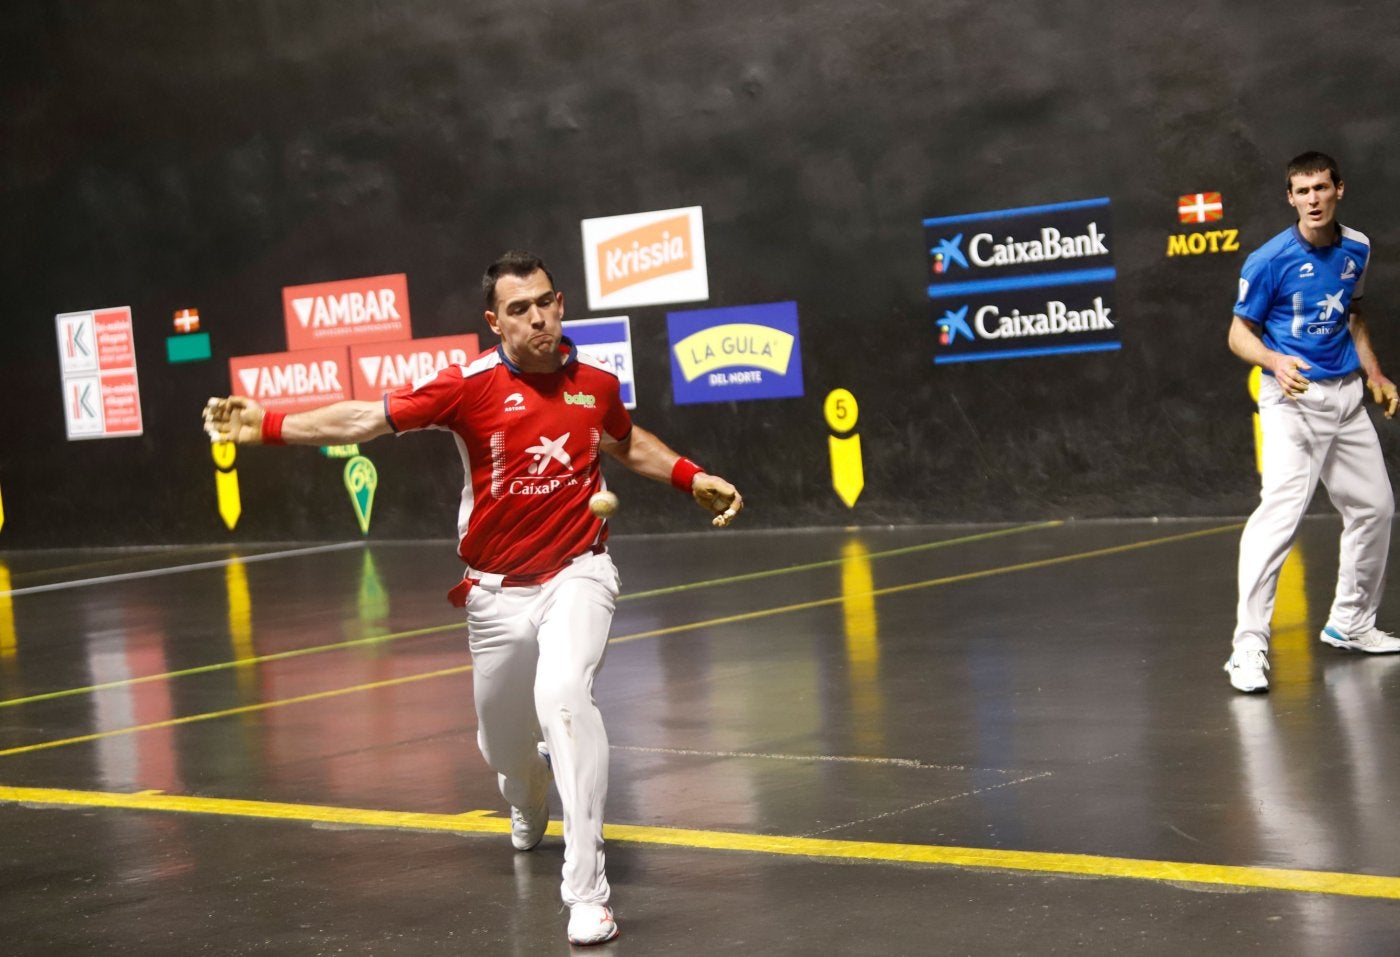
(1032, 281)
(734, 354)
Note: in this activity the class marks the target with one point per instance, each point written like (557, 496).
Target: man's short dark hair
(517, 262)
(1311, 162)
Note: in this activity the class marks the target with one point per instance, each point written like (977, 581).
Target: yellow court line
(927, 583)
(419, 632)
(674, 629)
(245, 709)
(236, 663)
(484, 822)
(836, 562)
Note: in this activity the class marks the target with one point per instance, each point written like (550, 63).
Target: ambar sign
(382, 367)
(374, 309)
(292, 381)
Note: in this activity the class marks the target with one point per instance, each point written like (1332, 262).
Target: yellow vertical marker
(1254, 375)
(8, 642)
(240, 628)
(847, 468)
(226, 482)
(862, 645)
(1292, 640)
(361, 479)
(373, 598)
(2, 511)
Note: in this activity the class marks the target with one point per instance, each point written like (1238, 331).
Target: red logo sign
(97, 354)
(1200, 207)
(352, 310)
(384, 366)
(292, 381)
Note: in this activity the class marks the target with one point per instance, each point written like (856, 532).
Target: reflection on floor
(874, 741)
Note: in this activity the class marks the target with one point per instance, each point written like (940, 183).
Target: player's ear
(491, 321)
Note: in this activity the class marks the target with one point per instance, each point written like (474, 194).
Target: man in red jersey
(529, 418)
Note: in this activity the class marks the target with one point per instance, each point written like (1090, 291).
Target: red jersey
(529, 446)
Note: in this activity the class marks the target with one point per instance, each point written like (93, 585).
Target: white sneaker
(591, 924)
(1246, 670)
(527, 826)
(1374, 642)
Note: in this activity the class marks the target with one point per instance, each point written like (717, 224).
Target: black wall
(206, 154)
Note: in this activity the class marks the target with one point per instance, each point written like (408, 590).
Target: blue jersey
(1301, 296)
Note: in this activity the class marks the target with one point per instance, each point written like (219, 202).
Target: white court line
(177, 569)
(851, 759)
(923, 804)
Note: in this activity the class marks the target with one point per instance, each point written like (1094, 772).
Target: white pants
(1324, 435)
(535, 651)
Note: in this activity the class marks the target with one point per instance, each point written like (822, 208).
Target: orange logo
(656, 249)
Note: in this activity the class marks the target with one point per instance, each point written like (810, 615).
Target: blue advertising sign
(1038, 280)
(609, 341)
(735, 354)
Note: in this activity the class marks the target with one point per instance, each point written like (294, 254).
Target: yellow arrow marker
(847, 467)
(226, 482)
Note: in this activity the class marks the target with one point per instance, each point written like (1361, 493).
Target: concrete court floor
(904, 741)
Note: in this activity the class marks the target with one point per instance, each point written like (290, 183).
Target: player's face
(528, 318)
(1315, 197)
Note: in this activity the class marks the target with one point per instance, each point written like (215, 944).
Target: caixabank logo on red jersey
(293, 381)
(374, 309)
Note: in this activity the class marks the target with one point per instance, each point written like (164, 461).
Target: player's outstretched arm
(241, 420)
(647, 455)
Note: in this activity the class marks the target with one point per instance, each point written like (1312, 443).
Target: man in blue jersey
(1298, 318)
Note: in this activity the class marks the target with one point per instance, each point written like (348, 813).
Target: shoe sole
(601, 940)
(536, 842)
(1353, 646)
(528, 848)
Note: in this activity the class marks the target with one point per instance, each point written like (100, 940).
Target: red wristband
(683, 474)
(272, 428)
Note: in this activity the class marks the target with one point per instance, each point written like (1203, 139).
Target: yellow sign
(226, 482)
(1254, 375)
(736, 344)
(841, 410)
(847, 467)
(361, 479)
(1210, 241)
(8, 642)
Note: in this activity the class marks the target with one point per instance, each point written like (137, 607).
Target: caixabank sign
(1031, 281)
